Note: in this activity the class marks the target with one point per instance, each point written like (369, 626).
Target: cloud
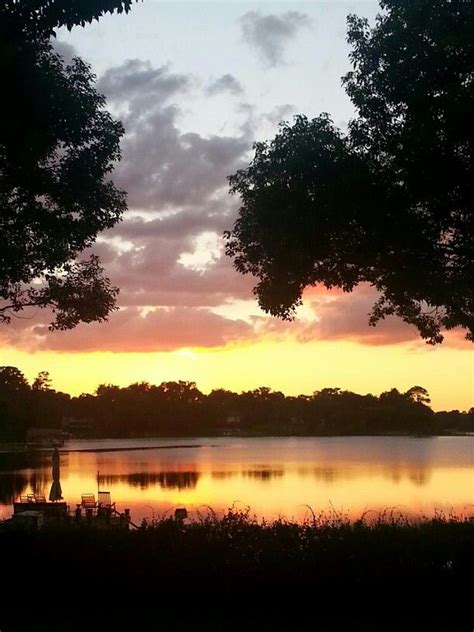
(161, 166)
(153, 272)
(179, 180)
(132, 331)
(140, 85)
(336, 315)
(167, 253)
(225, 83)
(64, 49)
(269, 34)
(346, 317)
(279, 113)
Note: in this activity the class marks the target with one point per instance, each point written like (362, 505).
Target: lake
(272, 476)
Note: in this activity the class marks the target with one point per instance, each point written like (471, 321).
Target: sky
(195, 85)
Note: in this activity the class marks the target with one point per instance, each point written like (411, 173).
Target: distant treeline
(180, 409)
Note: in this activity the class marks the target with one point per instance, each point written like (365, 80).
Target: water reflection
(263, 475)
(22, 473)
(419, 476)
(272, 476)
(143, 480)
(11, 486)
(13, 461)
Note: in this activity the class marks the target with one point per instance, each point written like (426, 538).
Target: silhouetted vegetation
(58, 146)
(389, 202)
(389, 560)
(181, 409)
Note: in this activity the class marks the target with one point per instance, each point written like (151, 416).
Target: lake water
(272, 476)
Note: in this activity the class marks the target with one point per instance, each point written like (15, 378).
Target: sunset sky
(195, 84)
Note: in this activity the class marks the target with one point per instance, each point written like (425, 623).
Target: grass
(384, 561)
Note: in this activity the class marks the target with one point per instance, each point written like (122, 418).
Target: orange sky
(284, 364)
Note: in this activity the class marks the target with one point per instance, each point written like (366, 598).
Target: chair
(104, 499)
(88, 501)
(105, 506)
(40, 498)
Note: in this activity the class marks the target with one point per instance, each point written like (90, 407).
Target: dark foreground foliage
(326, 567)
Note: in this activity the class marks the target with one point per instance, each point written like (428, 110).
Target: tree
(46, 15)
(418, 394)
(389, 203)
(12, 380)
(14, 403)
(58, 146)
(42, 382)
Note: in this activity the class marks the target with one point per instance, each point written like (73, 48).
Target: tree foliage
(58, 147)
(389, 202)
(180, 409)
(47, 15)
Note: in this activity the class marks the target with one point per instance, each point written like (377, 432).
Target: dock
(36, 513)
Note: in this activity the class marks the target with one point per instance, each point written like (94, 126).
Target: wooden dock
(36, 514)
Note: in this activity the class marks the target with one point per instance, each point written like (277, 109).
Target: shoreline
(21, 448)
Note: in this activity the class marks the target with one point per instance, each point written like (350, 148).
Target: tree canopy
(181, 409)
(47, 15)
(389, 202)
(58, 146)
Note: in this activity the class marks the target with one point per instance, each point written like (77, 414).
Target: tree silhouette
(14, 402)
(390, 202)
(42, 382)
(12, 380)
(58, 146)
(47, 15)
(418, 394)
(180, 409)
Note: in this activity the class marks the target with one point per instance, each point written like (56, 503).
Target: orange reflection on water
(272, 476)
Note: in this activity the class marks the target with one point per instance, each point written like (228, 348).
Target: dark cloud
(163, 167)
(140, 85)
(225, 83)
(269, 34)
(177, 178)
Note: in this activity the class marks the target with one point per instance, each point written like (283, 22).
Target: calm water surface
(272, 476)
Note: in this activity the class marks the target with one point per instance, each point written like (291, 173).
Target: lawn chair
(88, 501)
(89, 505)
(104, 499)
(105, 506)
